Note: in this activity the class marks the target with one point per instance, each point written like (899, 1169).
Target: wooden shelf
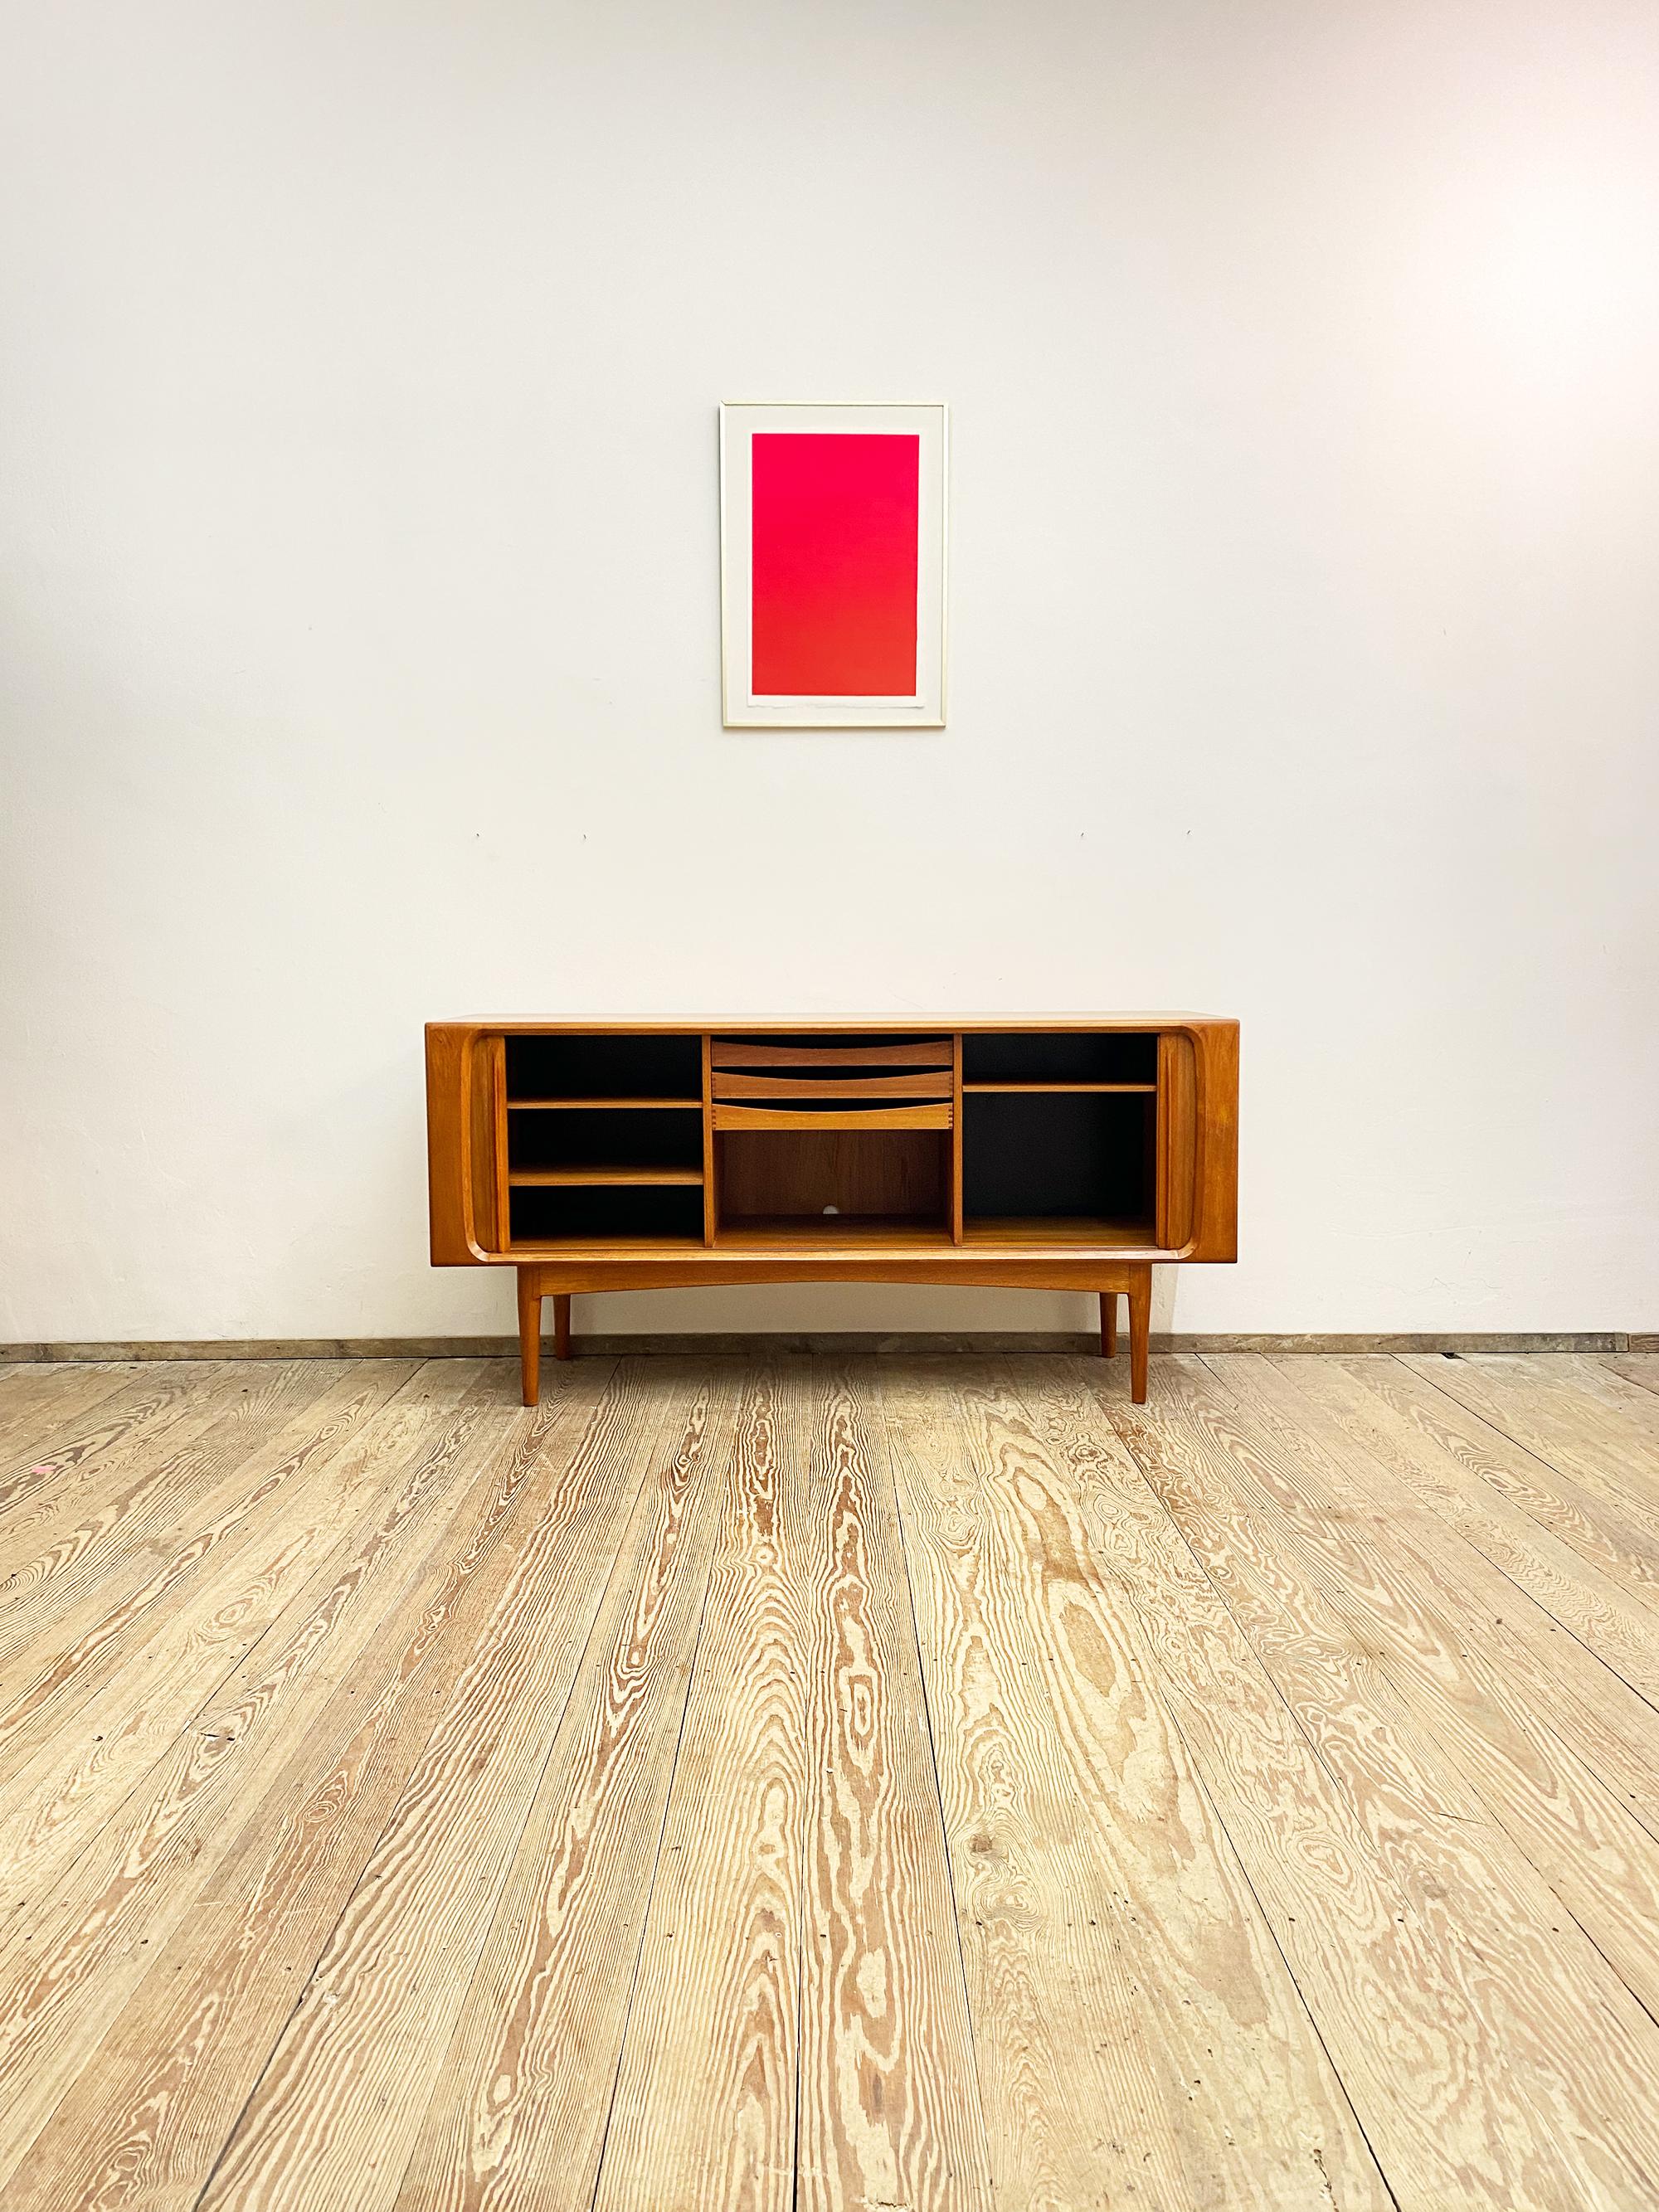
(817, 1232)
(602, 1249)
(594, 1105)
(820, 1120)
(542, 1178)
(1029, 1230)
(1031, 1088)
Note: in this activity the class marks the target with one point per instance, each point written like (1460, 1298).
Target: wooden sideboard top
(858, 1024)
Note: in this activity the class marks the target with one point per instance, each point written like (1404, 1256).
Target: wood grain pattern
(926, 1783)
(530, 1335)
(889, 2104)
(1214, 1122)
(1011, 1233)
(340, 2104)
(717, 1999)
(1569, 1377)
(1641, 1368)
(713, 1196)
(790, 1178)
(956, 1140)
(1613, 1449)
(1576, 1553)
(1175, 1185)
(1552, 1644)
(1129, 2005)
(494, 1060)
(778, 1252)
(1571, 1373)
(123, 1505)
(1389, 2004)
(41, 1400)
(829, 1059)
(44, 1683)
(72, 1951)
(52, 1463)
(180, 2059)
(449, 1055)
(1347, 1520)
(57, 1790)
(1450, 1924)
(524, 2094)
(803, 1086)
(810, 1120)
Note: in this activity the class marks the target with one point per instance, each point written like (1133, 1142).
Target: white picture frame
(741, 706)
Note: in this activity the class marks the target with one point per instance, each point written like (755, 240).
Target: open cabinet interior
(1047, 1059)
(994, 1138)
(1068, 1164)
(592, 1214)
(603, 1140)
(845, 1183)
(612, 1069)
(843, 1138)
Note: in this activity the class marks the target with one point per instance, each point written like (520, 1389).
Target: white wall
(359, 614)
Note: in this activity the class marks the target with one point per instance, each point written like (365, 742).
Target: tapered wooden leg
(1140, 1324)
(561, 1326)
(1108, 1324)
(529, 1332)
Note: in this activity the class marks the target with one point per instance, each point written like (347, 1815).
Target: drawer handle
(723, 1052)
(834, 1117)
(832, 1085)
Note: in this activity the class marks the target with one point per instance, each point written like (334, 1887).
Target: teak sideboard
(1032, 1153)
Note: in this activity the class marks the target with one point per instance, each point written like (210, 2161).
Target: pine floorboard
(900, 1784)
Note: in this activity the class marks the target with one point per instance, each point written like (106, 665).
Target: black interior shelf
(1065, 1155)
(617, 1213)
(1058, 1056)
(603, 1137)
(605, 1067)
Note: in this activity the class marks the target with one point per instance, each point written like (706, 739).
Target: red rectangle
(836, 527)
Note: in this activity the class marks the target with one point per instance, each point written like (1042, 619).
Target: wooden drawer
(829, 1059)
(803, 1086)
(933, 1116)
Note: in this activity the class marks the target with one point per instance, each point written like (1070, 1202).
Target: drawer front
(936, 1116)
(829, 1059)
(832, 1086)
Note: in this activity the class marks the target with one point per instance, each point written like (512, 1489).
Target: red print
(836, 526)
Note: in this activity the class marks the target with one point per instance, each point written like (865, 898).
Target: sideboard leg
(1108, 1324)
(561, 1326)
(529, 1332)
(1141, 1323)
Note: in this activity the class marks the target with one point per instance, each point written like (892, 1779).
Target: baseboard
(726, 1345)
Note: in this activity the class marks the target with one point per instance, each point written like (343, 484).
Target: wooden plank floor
(912, 1785)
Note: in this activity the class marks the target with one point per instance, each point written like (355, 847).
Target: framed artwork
(832, 566)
